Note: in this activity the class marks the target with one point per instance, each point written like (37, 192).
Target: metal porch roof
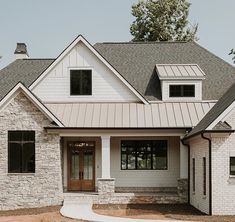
(131, 115)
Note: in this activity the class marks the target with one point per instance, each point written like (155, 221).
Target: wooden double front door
(81, 166)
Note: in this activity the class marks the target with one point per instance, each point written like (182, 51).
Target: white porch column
(106, 184)
(183, 161)
(105, 157)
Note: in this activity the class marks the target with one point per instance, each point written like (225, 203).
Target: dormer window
(80, 82)
(181, 82)
(182, 90)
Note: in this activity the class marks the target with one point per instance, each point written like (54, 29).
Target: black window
(204, 175)
(194, 175)
(144, 155)
(21, 151)
(232, 166)
(182, 90)
(80, 82)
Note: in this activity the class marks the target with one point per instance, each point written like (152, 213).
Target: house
(118, 123)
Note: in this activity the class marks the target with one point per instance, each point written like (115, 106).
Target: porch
(97, 167)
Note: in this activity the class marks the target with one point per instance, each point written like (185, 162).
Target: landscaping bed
(159, 211)
(44, 214)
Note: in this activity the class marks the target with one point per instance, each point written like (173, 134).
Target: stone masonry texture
(44, 187)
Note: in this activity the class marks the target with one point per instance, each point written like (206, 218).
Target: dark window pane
(232, 165)
(80, 82)
(21, 152)
(14, 158)
(28, 158)
(182, 90)
(29, 136)
(175, 90)
(189, 90)
(131, 161)
(15, 135)
(144, 154)
(124, 166)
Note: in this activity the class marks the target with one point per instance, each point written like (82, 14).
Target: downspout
(210, 173)
(185, 144)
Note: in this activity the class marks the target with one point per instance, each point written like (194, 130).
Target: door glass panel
(75, 164)
(88, 165)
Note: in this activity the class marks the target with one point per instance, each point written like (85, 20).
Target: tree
(233, 54)
(162, 20)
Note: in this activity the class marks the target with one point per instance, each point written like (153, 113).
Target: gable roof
(80, 38)
(21, 88)
(137, 61)
(21, 70)
(222, 106)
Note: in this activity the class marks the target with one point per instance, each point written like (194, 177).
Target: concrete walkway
(85, 212)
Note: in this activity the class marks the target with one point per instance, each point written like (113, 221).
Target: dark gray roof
(136, 62)
(225, 101)
(21, 70)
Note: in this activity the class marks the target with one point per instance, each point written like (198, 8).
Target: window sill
(21, 174)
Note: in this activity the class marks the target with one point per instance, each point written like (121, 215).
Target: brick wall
(199, 148)
(44, 187)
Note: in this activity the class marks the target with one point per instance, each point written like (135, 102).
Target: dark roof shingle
(136, 62)
(21, 70)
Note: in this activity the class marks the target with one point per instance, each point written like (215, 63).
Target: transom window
(182, 90)
(144, 155)
(21, 151)
(80, 82)
(232, 166)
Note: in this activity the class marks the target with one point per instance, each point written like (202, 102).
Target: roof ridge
(39, 59)
(147, 42)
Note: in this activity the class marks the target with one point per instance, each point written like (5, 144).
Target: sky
(48, 26)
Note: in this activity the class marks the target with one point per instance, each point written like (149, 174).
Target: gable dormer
(181, 82)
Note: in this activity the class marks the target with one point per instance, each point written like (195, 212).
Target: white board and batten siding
(106, 87)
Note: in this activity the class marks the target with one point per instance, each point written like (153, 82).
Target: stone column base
(183, 189)
(106, 186)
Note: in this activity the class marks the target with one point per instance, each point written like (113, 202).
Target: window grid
(18, 141)
(150, 150)
(182, 90)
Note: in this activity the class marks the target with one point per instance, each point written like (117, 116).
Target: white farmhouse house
(126, 123)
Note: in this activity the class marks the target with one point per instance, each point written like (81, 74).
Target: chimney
(21, 51)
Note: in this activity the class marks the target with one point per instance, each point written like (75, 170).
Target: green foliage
(233, 55)
(162, 20)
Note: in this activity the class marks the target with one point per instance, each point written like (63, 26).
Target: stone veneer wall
(44, 187)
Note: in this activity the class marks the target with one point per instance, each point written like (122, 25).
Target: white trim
(89, 46)
(222, 116)
(21, 88)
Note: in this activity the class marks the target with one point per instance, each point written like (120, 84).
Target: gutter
(185, 144)
(210, 172)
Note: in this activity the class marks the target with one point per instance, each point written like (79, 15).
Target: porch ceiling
(130, 115)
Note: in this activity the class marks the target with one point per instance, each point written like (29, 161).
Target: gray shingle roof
(24, 70)
(224, 102)
(137, 61)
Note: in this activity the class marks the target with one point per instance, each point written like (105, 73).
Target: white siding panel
(106, 87)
